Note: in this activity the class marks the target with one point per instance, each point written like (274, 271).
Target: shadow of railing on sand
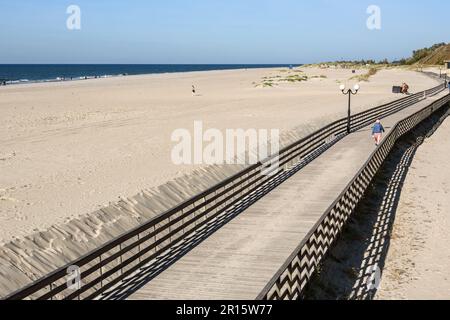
(147, 273)
(354, 267)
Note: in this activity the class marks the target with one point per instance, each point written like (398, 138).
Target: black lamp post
(349, 92)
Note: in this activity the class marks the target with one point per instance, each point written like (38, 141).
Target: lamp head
(342, 87)
(356, 87)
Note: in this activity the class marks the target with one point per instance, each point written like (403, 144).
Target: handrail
(107, 265)
(292, 279)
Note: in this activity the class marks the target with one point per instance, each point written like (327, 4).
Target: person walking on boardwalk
(377, 132)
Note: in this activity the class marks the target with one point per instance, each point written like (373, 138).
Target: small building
(447, 64)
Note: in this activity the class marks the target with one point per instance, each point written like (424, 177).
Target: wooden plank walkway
(237, 261)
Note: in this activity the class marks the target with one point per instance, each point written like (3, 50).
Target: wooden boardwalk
(237, 261)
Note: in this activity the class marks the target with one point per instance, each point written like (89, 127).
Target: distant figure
(194, 92)
(405, 88)
(377, 132)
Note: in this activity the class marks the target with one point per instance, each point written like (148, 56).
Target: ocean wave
(60, 79)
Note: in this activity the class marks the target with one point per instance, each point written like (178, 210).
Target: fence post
(101, 271)
(139, 247)
(121, 259)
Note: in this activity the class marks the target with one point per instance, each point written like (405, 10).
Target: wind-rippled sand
(81, 161)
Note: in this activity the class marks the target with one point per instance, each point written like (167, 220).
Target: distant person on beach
(194, 92)
(405, 88)
(377, 132)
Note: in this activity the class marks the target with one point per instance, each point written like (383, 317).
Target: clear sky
(217, 31)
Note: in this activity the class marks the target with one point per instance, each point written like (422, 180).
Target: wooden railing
(105, 267)
(294, 276)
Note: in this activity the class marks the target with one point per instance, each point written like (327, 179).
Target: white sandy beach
(418, 261)
(69, 149)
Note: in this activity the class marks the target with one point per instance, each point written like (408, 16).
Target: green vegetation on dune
(347, 64)
(432, 56)
(366, 77)
(292, 76)
(319, 77)
(437, 57)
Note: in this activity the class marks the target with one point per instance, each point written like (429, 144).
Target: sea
(29, 73)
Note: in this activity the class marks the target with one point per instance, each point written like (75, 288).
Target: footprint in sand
(5, 198)
(7, 157)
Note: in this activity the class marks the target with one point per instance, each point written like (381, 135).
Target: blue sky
(216, 31)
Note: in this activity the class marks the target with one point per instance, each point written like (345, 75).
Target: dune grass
(292, 76)
(366, 77)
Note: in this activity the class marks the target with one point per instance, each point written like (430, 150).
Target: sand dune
(75, 157)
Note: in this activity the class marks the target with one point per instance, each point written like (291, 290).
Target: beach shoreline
(63, 79)
(56, 124)
(69, 150)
